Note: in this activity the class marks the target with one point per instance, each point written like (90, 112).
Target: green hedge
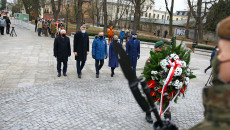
(141, 39)
(205, 47)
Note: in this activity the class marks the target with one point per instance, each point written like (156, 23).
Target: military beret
(134, 35)
(223, 28)
(159, 43)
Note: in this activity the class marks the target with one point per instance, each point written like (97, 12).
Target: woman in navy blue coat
(113, 63)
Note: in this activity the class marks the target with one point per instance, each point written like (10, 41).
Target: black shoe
(65, 74)
(112, 75)
(167, 115)
(59, 75)
(148, 118)
(97, 75)
(79, 76)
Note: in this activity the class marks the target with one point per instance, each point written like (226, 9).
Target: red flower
(152, 84)
(160, 90)
(153, 93)
(183, 90)
(157, 99)
(171, 94)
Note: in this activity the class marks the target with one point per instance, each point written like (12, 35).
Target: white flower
(188, 72)
(178, 71)
(174, 56)
(176, 83)
(164, 63)
(187, 80)
(183, 63)
(154, 72)
(179, 85)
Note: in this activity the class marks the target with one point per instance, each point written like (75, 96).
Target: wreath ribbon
(173, 65)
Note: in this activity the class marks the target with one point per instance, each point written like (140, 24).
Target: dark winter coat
(112, 56)
(8, 22)
(133, 51)
(81, 45)
(99, 48)
(62, 48)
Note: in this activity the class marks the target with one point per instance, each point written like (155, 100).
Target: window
(149, 15)
(158, 16)
(146, 15)
(154, 16)
(176, 19)
(167, 17)
(150, 7)
(162, 16)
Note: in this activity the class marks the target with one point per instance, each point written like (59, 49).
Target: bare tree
(105, 15)
(137, 15)
(199, 17)
(170, 16)
(79, 14)
(55, 10)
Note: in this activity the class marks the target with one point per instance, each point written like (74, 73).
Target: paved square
(33, 97)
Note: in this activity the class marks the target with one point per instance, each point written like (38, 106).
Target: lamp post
(68, 1)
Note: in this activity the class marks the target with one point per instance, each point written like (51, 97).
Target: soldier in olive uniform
(217, 98)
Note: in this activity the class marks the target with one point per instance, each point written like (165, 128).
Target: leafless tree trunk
(137, 15)
(105, 15)
(55, 10)
(187, 25)
(79, 15)
(198, 35)
(170, 16)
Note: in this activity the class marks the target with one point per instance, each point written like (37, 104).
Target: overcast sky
(179, 5)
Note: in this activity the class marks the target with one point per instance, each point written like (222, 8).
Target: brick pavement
(32, 97)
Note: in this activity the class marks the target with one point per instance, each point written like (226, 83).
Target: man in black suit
(81, 49)
(62, 51)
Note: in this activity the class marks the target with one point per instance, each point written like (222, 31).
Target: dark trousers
(134, 70)
(112, 70)
(64, 67)
(7, 29)
(98, 65)
(35, 28)
(39, 31)
(2, 30)
(121, 40)
(80, 65)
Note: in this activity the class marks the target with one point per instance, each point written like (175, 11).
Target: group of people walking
(100, 52)
(48, 27)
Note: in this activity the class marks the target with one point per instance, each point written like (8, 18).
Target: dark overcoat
(112, 56)
(81, 45)
(133, 51)
(62, 49)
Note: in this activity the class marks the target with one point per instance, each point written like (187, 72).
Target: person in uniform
(81, 49)
(99, 52)
(133, 51)
(39, 25)
(52, 29)
(113, 63)
(62, 51)
(216, 99)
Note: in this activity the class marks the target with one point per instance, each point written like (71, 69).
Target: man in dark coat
(62, 51)
(133, 51)
(8, 25)
(113, 63)
(36, 22)
(99, 52)
(81, 49)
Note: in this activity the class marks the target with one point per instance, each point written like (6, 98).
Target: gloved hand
(138, 57)
(106, 56)
(93, 56)
(110, 58)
